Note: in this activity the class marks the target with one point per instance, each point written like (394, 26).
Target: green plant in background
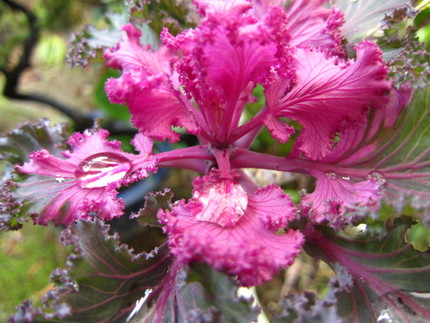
(28, 257)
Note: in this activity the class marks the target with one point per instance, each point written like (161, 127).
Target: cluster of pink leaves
(202, 80)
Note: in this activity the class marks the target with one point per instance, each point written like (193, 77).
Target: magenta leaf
(153, 202)
(388, 274)
(103, 279)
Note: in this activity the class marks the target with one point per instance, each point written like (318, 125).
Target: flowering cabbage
(332, 100)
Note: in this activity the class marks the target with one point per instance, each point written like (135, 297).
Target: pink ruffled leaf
(143, 144)
(73, 202)
(273, 207)
(310, 23)
(279, 130)
(148, 86)
(223, 60)
(130, 54)
(392, 151)
(154, 112)
(84, 184)
(15, 147)
(329, 95)
(396, 153)
(217, 200)
(335, 198)
(248, 250)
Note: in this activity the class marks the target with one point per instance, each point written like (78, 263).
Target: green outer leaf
(404, 156)
(220, 292)
(17, 145)
(104, 279)
(363, 17)
(15, 148)
(307, 307)
(209, 296)
(85, 44)
(153, 202)
(388, 274)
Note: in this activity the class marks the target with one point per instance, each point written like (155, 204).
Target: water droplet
(223, 202)
(101, 169)
(331, 174)
(377, 177)
(60, 179)
(346, 177)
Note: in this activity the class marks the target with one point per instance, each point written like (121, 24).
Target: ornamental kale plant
(347, 97)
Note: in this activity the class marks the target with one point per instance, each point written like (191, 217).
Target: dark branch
(13, 75)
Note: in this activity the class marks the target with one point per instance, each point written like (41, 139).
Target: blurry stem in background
(14, 74)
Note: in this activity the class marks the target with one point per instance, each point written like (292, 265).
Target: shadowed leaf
(103, 280)
(363, 17)
(206, 296)
(387, 273)
(153, 202)
(18, 144)
(15, 148)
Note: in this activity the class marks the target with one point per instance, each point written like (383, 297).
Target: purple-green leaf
(204, 296)
(401, 154)
(407, 58)
(363, 17)
(307, 307)
(103, 280)
(18, 144)
(84, 45)
(389, 275)
(391, 150)
(15, 148)
(153, 202)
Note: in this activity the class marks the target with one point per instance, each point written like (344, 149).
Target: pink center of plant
(102, 169)
(223, 203)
